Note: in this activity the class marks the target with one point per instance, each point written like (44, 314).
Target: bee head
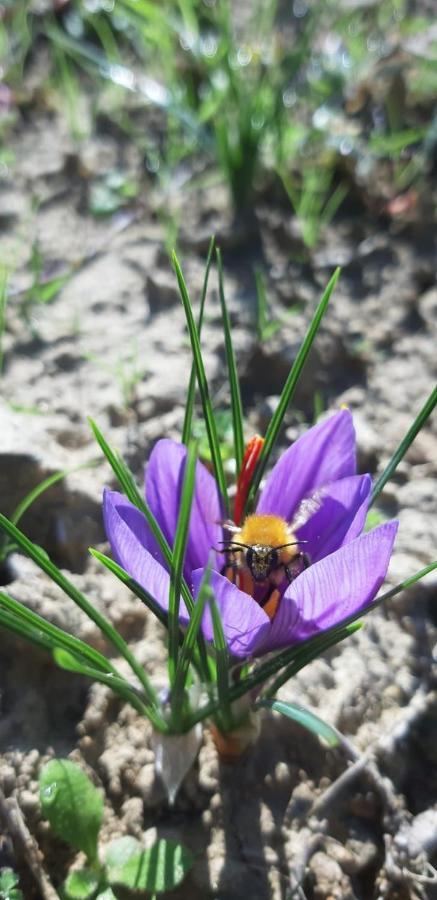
(261, 561)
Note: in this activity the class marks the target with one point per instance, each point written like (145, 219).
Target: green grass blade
(306, 718)
(126, 579)
(42, 560)
(189, 406)
(121, 687)
(234, 384)
(127, 483)
(222, 665)
(180, 546)
(307, 655)
(418, 423)
(289, 388)
(208, 414)
(55, 636)
(41, 488)
(15, 624)
(186, 653)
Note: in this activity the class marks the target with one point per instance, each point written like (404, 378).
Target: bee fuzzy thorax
(268, 531)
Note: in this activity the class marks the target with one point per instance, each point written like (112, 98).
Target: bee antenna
(291, 544)
(232, 544)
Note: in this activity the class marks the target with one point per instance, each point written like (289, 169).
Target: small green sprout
(74, 808)
(9, 889)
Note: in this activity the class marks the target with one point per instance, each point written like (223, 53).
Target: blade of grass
(186, 654)
(44, 486)
(180, 546)
(126, 579)
(201, 661)
(418, 423)
(42, 560)
(127, 483)
(288, 390)
(189, 406)
(56, 636)
(306, 718)
(234, 384)
(222, 664)
(126, 691)
(303, 659)
(202, 381)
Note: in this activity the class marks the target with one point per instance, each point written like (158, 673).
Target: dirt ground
(252, 825)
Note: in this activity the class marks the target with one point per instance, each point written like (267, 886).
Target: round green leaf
(9, 889)
(120, 850)
(71, 803)
(159, 869)
(81, 884)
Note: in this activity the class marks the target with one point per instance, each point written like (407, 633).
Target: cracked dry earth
(271, 825)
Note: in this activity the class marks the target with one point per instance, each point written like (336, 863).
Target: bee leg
(270, 602)
(304, 559)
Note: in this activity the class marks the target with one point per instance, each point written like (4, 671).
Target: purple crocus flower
(347, 567)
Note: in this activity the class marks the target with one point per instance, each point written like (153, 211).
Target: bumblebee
(262, 553)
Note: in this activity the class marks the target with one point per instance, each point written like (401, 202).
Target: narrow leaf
(306, 718)
(189, 405)
(41, 488)
(128, 486)
(71, 803)
(406, 442)
(42, 560)
(126, 579)
(126, 691)
(234, 384)
(55, 637)
(186, 652)
(222, 664)
(289, 388)
(203, 387)
(180, 545)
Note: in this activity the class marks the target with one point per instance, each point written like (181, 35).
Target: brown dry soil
(252, 825)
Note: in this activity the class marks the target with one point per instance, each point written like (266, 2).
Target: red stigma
(244, 480)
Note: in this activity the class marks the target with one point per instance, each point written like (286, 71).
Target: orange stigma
(245, 475)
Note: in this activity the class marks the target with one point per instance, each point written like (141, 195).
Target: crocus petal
(128, 533)
(333, 589)
(323, 454)
(339, 519)
(164, 478)
(245, 624)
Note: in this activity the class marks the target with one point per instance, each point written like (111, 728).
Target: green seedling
(9, 882)
(7, 547)
(74, 809)
(127, 371)
(111, 193)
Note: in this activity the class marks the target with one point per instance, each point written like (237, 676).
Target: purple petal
(339, 519)
(245, 624)
(323, 454)
(333, 589)
(128, 533)
(164, 478)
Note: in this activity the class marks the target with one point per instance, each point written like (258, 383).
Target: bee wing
(306, 509)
